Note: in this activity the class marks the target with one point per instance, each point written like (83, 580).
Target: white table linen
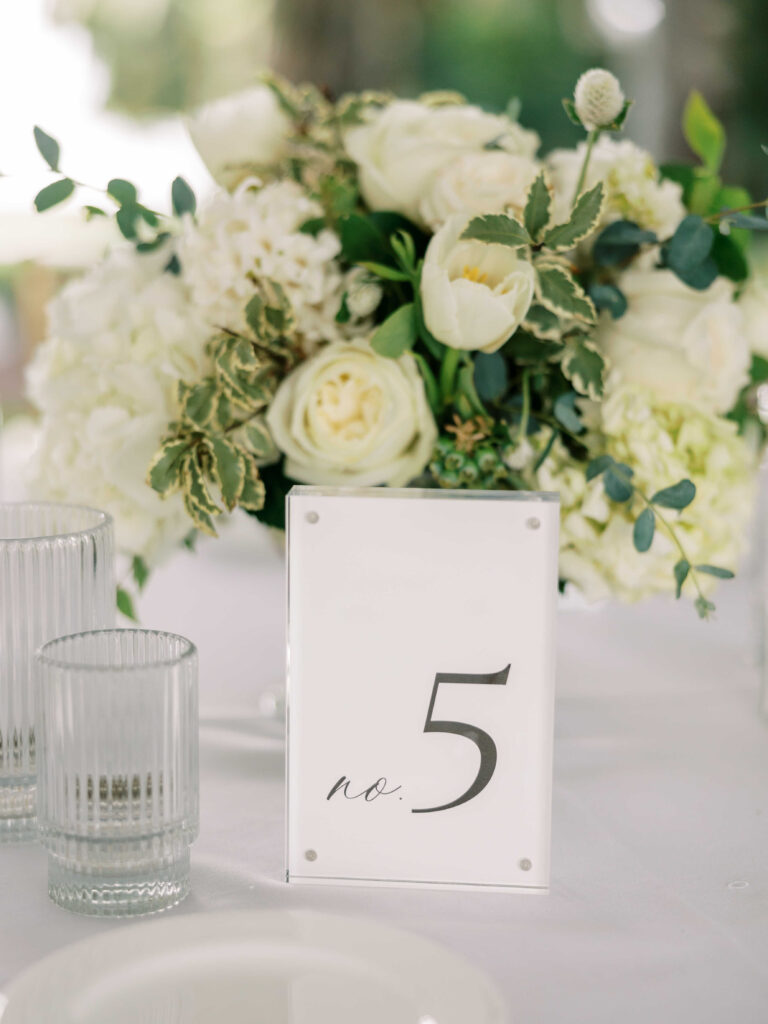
(659, 903)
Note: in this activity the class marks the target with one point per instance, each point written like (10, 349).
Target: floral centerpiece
(396, 292)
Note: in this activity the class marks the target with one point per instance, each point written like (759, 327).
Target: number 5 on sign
(421, 659)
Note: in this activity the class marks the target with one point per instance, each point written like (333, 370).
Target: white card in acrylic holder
(421, 675)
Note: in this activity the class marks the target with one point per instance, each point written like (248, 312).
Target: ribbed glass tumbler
(56, 576)
(118, 769)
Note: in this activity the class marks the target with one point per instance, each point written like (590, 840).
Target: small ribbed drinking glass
(56, 576)
(118, 769)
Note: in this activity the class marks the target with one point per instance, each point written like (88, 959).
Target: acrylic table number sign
(421, 641)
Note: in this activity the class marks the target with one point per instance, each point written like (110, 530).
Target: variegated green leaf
(584, 366)
(542, 323)
(197, 499)
(198, 402)
(537, 207)
(165, 470)
(584, 218)
(558, 292)
(258, 440)
(497, 229)
(253, 492)
(228, 469)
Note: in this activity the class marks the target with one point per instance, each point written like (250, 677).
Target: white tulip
(491, 181)
(347, 416)
(401, 149)
(240, 134)
(474, 295)
(681, 344)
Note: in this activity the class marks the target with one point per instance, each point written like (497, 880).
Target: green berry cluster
(480, 470)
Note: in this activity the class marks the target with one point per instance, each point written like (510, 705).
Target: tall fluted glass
(56, 576)
(118, 770)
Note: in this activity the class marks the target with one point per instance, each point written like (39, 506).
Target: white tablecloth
(659, 903)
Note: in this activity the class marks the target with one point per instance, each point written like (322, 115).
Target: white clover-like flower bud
(598, 98)
(363, 295)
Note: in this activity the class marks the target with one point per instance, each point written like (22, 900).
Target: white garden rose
(105, 381)
(682, 344)
(400, 149)
(474, 295)
(240, 134)
(662, 443)
(348, 416)
(491, 181)
(753, 303)
(633, 188)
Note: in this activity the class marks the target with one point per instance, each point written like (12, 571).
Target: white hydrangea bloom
(255, 233)
(634, 190)
(663, 443)
(105, 381)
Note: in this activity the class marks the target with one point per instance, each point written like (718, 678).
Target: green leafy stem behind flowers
(220, 440)
(619, 486)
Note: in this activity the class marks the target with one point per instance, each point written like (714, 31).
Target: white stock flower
(105, 381)
(240, 133)
(683, 345)
(753, 303)
(491, 181)
(474, 295)
(634, 190)
(348, 416)
(663, 443)
(401, 148)
(255, 233)
(598, 98)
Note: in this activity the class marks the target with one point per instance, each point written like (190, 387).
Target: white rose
(487, 182)
(239, 134)
(681, 344)
(753, 304)
(474, 295)
(633, 187)
(401, 148)
(348, 416)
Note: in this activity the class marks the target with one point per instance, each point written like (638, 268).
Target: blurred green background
(109, 77)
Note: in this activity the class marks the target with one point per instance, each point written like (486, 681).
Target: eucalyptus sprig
(621, 488)
(135, 220)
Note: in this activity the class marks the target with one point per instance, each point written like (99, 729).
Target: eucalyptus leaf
(182, 197)
(680, 571)
(704, 607)
(598, 465)
(749, 222)
(644, 529)
(678, 496)
(122, 191)
(491, 377)
(608, 296)
(54, 194)
(620, 242)
(617, 484)
(48, 148)
(714, 570)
